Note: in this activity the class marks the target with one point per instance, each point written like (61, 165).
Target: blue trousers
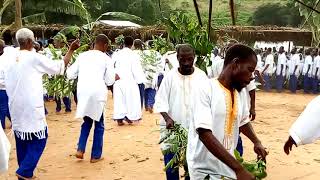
(28, 154)
(141, 90)
(307, 83)
(171, 173)
(293, 81)
(149, 95)
(240, 146)
(97, 136)
(315, 83)
(279, 83)
(4, 108)
(268, 83)
(66, 102)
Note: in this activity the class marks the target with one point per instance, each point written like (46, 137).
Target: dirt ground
(132, 152)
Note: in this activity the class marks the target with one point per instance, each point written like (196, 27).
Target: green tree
(276, 14)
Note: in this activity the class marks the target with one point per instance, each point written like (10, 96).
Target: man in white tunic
(126, 96)
(306, 129)
(307, 71)
(95, 72)
(294, 70)
(23, 81)
(268, 70)
(174, 99)
(220, 112)
(315, 71)
(281, 69)
(217, 65)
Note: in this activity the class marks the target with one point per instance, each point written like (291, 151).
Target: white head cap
(23, 34)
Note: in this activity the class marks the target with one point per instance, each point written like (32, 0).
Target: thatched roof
(247, 34)
(301, 37)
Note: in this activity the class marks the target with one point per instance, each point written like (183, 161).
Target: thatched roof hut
(246, 34)
(251, 34)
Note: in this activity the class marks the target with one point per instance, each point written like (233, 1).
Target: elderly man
(23, 73)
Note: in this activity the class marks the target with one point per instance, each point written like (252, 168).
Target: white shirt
(213, 103)
(308, 61)
(282, 61)
(306, 129)
(175, 97)
(269, 60)
(316, 64)
(23, 81)
(251, 86)
(94, 70)
(294, 61)
(125, 60)
(217, 67)
(259, 63)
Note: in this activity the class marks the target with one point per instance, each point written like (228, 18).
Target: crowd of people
(297, 69)
(215, 107)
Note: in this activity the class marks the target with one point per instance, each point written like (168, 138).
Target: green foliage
(276, 14)
(258, 168)
(312, 18)
(119, 40)
(178, 138)
(162, 45)
(183, 28)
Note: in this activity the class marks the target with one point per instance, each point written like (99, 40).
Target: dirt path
(132, 152)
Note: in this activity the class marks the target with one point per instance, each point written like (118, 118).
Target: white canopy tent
(120, 23)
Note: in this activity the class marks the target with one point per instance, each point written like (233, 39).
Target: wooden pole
(18, 16)
(232, 11)
(197, 11)
(210, 18)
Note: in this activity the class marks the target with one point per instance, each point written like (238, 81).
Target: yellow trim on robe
(231, 116)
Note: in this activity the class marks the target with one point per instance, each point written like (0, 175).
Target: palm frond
(120, 16)
(6, 3)
(74, 7)
(35, 18)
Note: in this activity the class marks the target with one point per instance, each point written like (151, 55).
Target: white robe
(306, 129)
(175, 97)
(211, 111)
(126, 93)
(23, 81)
(217, 67)
(94, 70)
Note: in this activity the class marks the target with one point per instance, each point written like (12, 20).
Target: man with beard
(220, 112)
(174, 99)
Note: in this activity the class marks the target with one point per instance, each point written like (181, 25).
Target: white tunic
(294, 61)
(316, 64)
(269, 60)
(217, 66)
(306, 129)
(213, 112)
(308, 61)
(282, 60)
(94, 71)
(126, 91)
(175, 97)
(23, 81)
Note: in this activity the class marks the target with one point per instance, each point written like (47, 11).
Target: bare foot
(79, 155)
(151, 110)
(120, 122)
(24, 178)
(128, 121)
(96, 160)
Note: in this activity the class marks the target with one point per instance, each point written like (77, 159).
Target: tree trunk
(18, 16)
(232, 11)
(197, 11)
(210, 18)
